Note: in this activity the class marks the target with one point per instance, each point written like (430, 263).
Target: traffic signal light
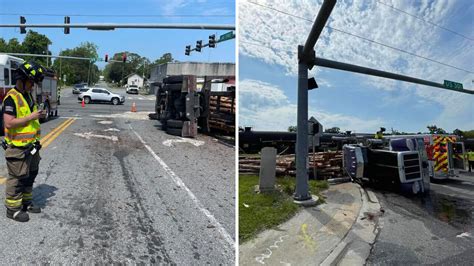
(188, 50)
(106, 58)
(212, 41)
(22, 21)
(67, 20)
(198, 46)
(124, 57)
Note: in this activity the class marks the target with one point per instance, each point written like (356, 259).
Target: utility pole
(89, 73)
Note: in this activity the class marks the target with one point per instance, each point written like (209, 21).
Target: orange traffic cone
(134, 107)
(83, 104)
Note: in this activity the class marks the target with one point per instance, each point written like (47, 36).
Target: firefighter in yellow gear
(470, 159)
(21, 144)
(379, 134)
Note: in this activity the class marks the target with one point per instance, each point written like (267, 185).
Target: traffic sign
(453, 85)
(229, 35)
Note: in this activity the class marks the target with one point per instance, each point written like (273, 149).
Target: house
(134, 79)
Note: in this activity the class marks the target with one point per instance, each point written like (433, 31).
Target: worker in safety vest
(21, 144)
(379, 134)
(470, 159)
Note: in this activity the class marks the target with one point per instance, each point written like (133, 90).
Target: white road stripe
(180, 183)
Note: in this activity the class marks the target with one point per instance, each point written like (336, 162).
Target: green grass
(267, 210)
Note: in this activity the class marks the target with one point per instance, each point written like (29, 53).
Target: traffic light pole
(111, 26)
(60, 56)
(379, 73)
(305, 59)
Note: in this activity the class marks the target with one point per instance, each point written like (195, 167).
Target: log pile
(328, 164)
(222, 114)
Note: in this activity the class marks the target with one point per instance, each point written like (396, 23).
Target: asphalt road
(117, 189)
(437, 228)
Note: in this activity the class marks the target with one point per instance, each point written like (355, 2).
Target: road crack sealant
(155, 243)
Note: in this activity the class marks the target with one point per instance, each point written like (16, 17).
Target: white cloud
(264, 106)
(372, 20)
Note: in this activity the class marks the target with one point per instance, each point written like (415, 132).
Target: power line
(424, 20)
(363, 38)
(116, 15)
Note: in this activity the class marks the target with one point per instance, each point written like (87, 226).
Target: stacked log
(328, 164)
(222, 114)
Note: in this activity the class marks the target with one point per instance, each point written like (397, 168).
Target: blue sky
(268, 65)
(149, 43)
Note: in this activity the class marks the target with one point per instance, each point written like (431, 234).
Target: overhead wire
(364, 38)
(424, 20)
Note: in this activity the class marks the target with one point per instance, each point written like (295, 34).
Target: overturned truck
(192, 96)
(407, 162)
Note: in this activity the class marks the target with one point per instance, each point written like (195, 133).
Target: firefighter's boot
(31, 208)
(19, 216)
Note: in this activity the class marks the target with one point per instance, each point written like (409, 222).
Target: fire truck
(46, 92)
(446, 153)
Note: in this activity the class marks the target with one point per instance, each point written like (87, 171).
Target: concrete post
(267, 169)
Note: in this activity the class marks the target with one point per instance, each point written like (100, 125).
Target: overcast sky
(149, 43)
(268, 64)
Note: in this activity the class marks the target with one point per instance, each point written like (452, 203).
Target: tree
(117, 72)
(76, 70)
(436, 130)
(292, 129)
(332, 130)
(35, 43)
(458, 132)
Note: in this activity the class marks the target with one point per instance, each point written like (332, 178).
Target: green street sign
(453, 85)
(229, 35)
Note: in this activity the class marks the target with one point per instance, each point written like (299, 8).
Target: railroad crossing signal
(67, 20)
(188, 50)
(212, 41)
(198, 46)
(22, 21)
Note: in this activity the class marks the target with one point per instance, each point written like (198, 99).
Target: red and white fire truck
(446, 154)
(46, 92)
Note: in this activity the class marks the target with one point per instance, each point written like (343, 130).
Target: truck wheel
(174, 131)
(171, 123)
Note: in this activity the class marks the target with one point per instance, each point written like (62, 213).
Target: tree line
(78, 71)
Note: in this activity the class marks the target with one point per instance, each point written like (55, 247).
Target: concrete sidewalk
(340, 231)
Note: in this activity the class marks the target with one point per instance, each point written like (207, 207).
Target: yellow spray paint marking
(308, 240)
(2, 180)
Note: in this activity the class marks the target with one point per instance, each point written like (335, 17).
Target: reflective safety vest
(470, 156)
(22, 136)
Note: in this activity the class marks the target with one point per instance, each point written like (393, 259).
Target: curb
(355, 247)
